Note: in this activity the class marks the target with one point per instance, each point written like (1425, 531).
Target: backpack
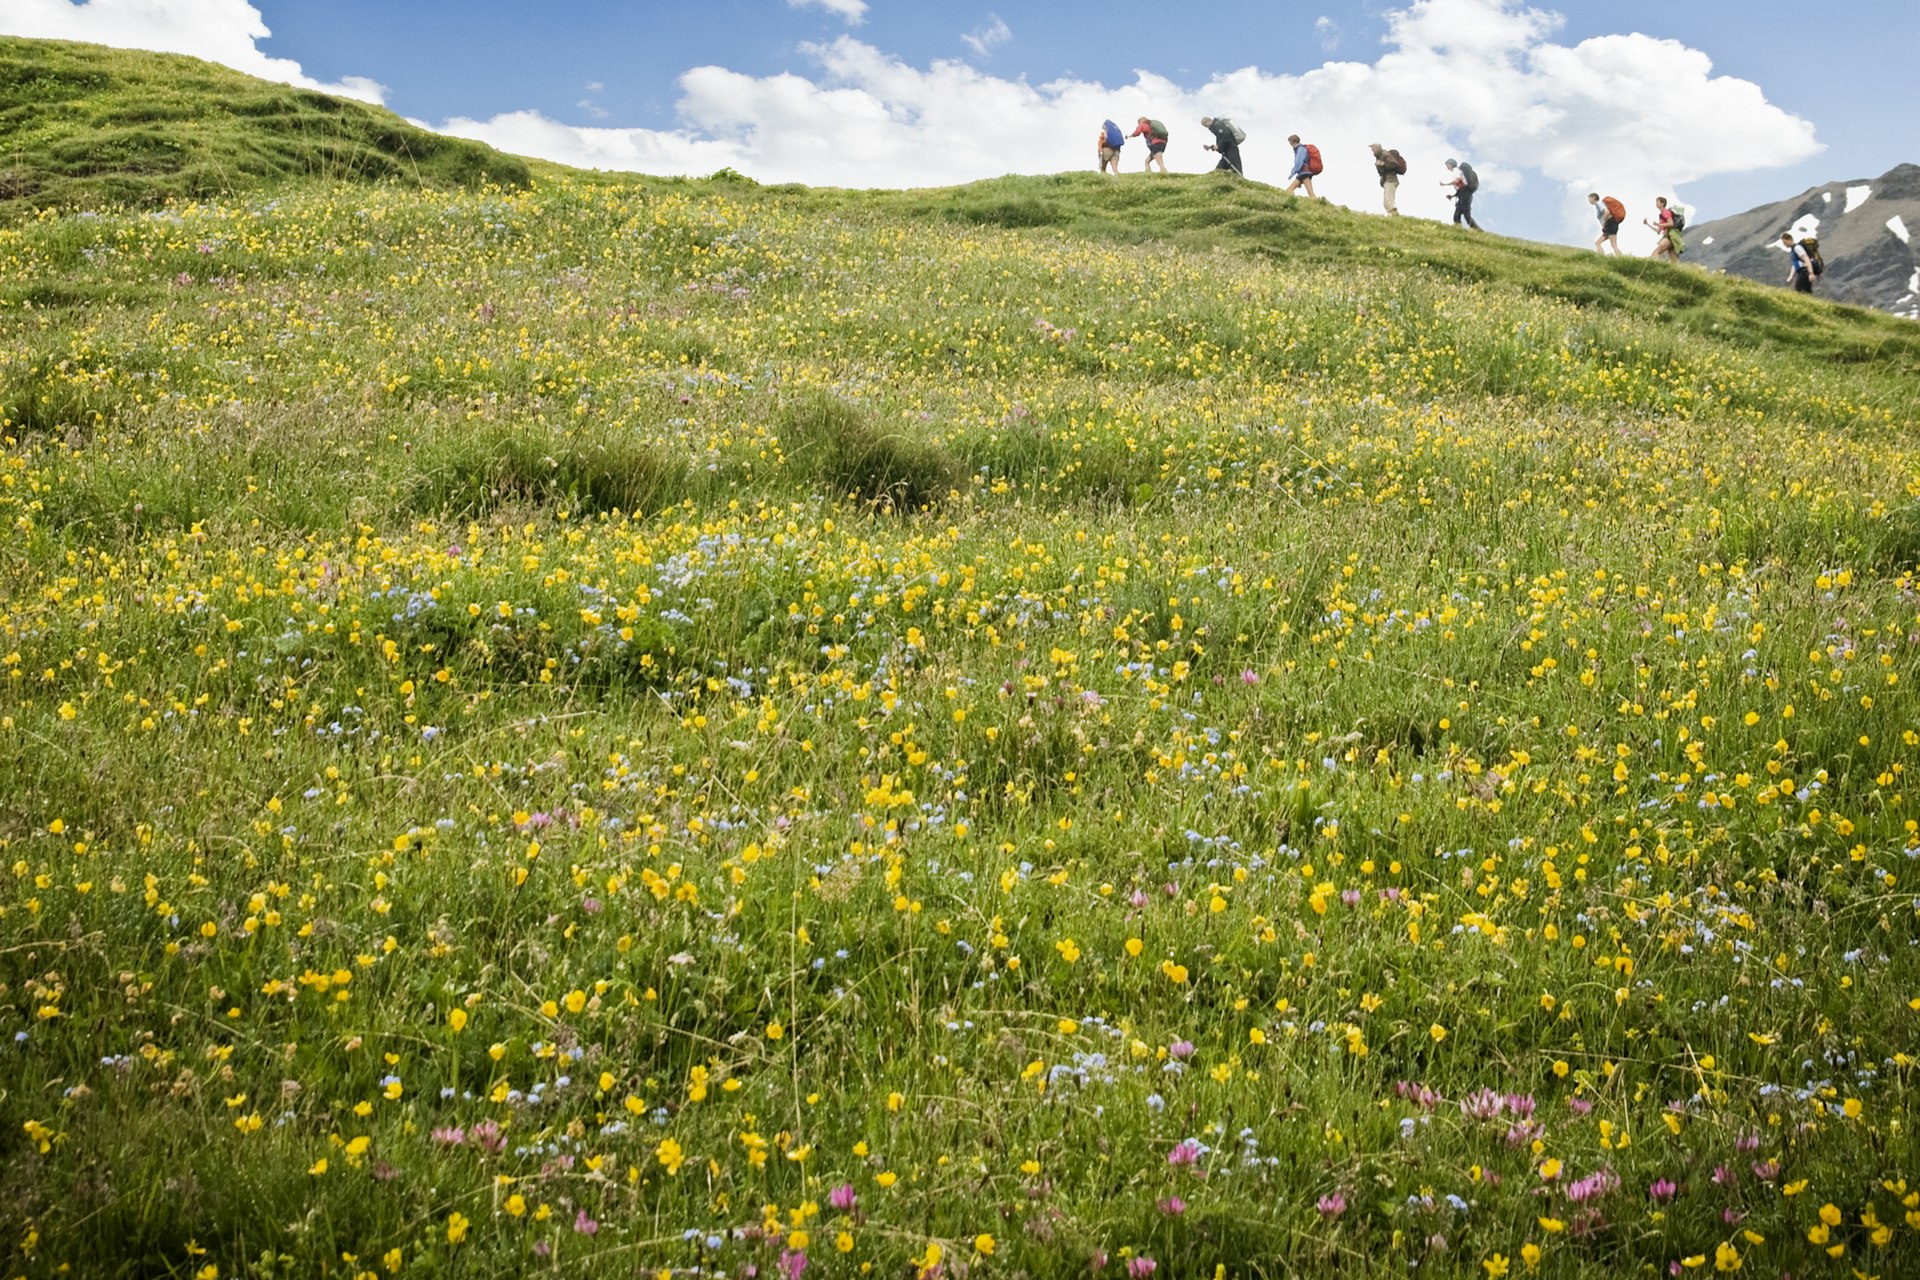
(1473, 179)
(1155, 129)
(1313, 160)
(1115, 138)
(1815, 263)
(1234, 131)
(1679, 217)
(1398, 161)
(1615, 210)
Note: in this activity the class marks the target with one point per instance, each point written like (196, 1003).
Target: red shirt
(1150, 135)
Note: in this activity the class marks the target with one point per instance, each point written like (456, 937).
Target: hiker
(1156, 135)
(1611, 213)
(1464, 183)
(1227, 137)
(1389, 164)
(1108, 147)
(1667, 224)
(1801, 259)
(1306, 163)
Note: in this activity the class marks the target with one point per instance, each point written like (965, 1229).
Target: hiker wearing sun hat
(1389, 165)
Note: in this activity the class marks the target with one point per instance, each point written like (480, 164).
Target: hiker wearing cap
(1667, 224)
(1801, 271)
(1611, 213)
(1464, 183)
(1306, 163)
(1389, 165)
(1156, 135)
(1108, 147)
(1227, 137)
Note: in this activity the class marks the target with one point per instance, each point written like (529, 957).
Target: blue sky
(879, 92)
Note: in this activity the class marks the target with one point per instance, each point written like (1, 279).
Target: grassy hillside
(650, 727)
(84, 126)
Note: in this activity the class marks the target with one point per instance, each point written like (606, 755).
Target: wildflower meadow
(634, 728)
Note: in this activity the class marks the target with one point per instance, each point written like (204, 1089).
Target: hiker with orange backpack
(1306, 164)
(1611, 213)
(1389, 164)
(1156, 135)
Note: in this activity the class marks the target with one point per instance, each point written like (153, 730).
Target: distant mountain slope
(1865, 230)
(82, 124)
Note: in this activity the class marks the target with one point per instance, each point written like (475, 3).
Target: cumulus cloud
(1632, 115)
(985, 37)
(853, 11)
(223, 31)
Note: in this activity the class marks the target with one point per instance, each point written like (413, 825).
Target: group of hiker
(1668, 222)
(1307, 162)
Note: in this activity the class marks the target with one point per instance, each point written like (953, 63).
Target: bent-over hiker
(1156, 135)
(1227, 137)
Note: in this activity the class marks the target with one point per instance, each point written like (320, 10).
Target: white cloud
(853, 11)
(223, 31)
(1328, 31)
(993, 32)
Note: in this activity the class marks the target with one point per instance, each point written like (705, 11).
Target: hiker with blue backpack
(1108, 147)
(1306, 164)
(1227, 137)
(1464, 183)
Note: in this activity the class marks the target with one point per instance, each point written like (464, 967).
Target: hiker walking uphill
(1464, 183)
(1108, 147)
(1611, 213)
(1306, 164)
(1389, 164)
(1156, 135)
(1805, 262)
(1668, 223)
(1227, 137)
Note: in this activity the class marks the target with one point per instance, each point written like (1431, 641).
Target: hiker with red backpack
(1611, 213)
(1306, 165)
(1389, 164)
(1227, 137)
(1156, 135)
(1108, 147)
(1464, 183)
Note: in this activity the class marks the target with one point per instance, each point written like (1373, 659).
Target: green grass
(543, 729)
(85, 126)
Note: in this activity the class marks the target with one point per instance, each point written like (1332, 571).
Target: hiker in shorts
(1223, 142)
(1610, 212)
(1108, 147)
(1389, 165)
(1800, 272)
(1666, 225)
(1464, 183)
(1306, 163)
(1156, 135)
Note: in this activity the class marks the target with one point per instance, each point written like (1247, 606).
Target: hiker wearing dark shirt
(1156, 135)
(1464, 183)
(1225, 143)
(1389, 165)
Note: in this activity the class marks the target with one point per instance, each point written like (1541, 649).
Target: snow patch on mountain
(1857, 196)
(1806, 225)
(1898, 226)
(1827, 196)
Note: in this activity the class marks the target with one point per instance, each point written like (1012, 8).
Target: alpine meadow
(558, 723)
